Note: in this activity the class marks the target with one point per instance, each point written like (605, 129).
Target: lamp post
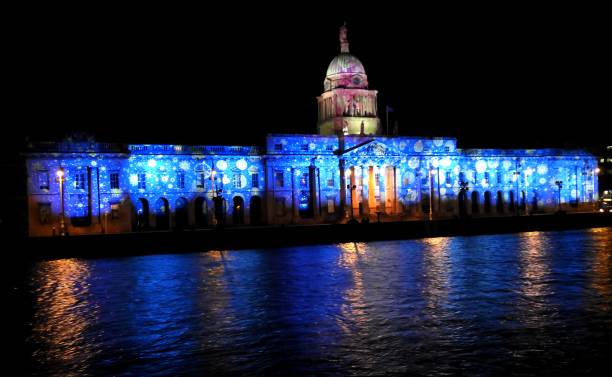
(351, 190)
(60, 178)
(595, 193)
(431, 192)
(438, 184)
(560, 185)
(517, 176)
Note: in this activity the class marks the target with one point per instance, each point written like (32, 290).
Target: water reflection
(487, 305)
(436, 271)
(601, 271)
(353, 308)
(64, 312)
(534, 267)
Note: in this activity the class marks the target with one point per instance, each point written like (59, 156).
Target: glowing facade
(348, 169)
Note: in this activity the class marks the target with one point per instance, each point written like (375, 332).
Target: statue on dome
(343, 37)
(344, 45)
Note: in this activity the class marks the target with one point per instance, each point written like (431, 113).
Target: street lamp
(60, 178)
(560, 185)
(517, 176)
(351, 190)
(431, 192)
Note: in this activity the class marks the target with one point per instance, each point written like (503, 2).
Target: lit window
(114, 211)
(200, 179)
(279, 180)
(44, 213)
(180, 180)
(114, 180)
(43, 180)
(280, 206)
(79, 181)
(237, 180)
(142, 181)
(330, 205)
(255, 180)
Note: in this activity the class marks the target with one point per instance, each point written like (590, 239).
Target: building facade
(347, 170)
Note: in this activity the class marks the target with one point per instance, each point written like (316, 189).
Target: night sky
(492, 78)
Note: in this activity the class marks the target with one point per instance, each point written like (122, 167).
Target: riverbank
(113, 245)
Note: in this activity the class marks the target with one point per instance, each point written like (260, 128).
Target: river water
(537, 303)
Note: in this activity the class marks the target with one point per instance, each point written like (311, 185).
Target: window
(200, 180)
(114, 211)
(180, 180)
(280, 206)
(329, 148)
(79, 181)
(304, 180)
(330, 205)
(330, 180)
(255, 180)
(219, 180)
(500, 180)
(43, 179)
(304, 147)
(114, 180)
(447, 149)
(279, 180)
(237, 180)
(461, 177)
(44, 213)
(278, 147)
(449, 178)
(142, 181)
(486, 177)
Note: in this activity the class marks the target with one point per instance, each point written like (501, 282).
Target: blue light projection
(300, 176)
(347, 170)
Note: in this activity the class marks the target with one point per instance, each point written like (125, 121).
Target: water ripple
(531, 303)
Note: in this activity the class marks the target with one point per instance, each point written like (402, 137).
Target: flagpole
(387, 118)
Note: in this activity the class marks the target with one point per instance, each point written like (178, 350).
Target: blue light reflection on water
(525, 303)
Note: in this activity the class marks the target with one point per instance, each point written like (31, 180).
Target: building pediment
(372, 148)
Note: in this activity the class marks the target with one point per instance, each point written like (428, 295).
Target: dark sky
(492, 78)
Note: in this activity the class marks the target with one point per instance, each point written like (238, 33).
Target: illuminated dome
(345, 63)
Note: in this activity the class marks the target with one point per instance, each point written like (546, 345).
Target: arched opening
(475, 202)
(255, 210)
(162, 214)
(523, 201)
(500, 202)
(181, 218)
(238, 211)
(511, 201)
(487, 201)
(142, 214)
(219, 210)
(462, 203)
(304, 206)
(201, 212)
(534, 201)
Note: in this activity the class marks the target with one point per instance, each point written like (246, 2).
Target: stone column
(364, 194)
(342, 187)
(371, 189)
